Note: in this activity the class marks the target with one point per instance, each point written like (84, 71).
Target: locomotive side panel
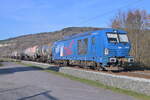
(102, 48)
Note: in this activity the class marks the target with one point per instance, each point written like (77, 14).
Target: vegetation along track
(133, 73)
(141, 73)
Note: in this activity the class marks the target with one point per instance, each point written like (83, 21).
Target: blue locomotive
(102, 49)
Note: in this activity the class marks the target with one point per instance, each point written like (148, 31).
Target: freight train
(103, 49)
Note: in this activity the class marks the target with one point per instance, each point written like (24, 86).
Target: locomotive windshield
(123, 38)
(117, 38)
(112, 38)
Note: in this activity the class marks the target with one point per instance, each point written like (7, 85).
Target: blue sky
(20, 17)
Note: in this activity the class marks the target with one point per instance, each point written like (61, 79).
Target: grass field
(1, 64)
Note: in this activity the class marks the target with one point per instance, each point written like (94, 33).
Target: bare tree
(137, 23)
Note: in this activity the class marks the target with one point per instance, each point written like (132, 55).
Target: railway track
(140, 74)
(133, 73)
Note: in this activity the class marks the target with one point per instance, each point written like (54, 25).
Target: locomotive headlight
(131, 60)
(106, 51)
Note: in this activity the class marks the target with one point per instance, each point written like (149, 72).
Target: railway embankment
(139, 85)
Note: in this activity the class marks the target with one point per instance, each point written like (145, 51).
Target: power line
(106, 13)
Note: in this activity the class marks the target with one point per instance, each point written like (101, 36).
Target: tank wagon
(29, 53)
(102, 49)
(43, 53)
(17, 55)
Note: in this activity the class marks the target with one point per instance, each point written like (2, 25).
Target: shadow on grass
(1, 64)
(53, 68)
(17, 69)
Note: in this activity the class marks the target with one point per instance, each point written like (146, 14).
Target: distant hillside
(22, 42)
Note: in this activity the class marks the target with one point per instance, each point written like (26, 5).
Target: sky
(21, 17)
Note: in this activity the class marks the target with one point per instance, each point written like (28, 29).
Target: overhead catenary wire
(108, 12)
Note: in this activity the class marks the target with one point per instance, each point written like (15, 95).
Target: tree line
(137, 24)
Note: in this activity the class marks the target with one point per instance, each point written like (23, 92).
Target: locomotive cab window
(123, 38)
(112, 38)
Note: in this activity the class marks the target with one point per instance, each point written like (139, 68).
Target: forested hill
(22, 42)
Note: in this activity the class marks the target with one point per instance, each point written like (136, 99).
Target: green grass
(1, 64)
(96, 84)
(8, 60)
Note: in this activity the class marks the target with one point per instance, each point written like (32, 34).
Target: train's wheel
(99, 67)
(65, 63)
(85, 65)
